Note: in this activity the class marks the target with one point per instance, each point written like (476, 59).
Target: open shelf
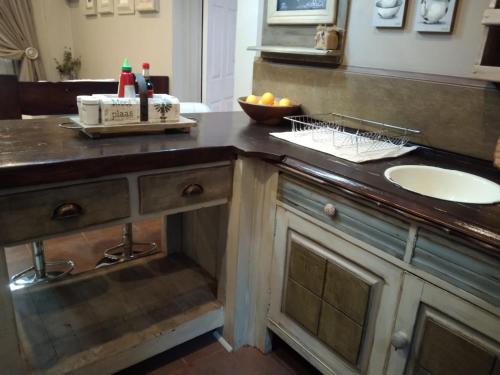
(299, 54)
(488, 66)
(108, 319)
(296, 50)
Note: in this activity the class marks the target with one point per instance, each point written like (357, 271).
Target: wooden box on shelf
(488, 64)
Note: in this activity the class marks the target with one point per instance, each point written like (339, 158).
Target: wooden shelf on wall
(296, 50)
(488, 65)
(299, 54)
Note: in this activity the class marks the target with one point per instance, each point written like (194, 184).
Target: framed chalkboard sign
(301, 11)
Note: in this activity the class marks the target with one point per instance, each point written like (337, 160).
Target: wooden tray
(95, 131)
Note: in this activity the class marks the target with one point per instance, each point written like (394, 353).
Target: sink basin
(446, 184)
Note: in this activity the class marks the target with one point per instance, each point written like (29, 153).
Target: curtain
(18, 38)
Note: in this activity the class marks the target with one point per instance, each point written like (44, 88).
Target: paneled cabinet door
(437, 333)
(332, 299)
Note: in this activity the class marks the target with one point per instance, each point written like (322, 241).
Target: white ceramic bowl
(388, 3)
(387, 13)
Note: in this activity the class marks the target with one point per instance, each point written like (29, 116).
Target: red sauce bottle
(126, 88)
(149, 84)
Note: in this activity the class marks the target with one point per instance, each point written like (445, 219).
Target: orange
(252, 99)
(267, 99)
(285, 102)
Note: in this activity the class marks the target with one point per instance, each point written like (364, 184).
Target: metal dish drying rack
(342, 132)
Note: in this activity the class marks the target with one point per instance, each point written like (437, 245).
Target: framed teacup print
(435, 16)
(389, 13)
(105, 6)
(306, 12)
(147, 5)
(125, 6)
(90, 8)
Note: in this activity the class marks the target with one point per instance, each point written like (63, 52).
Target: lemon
(252, 99)
(276, 102)
(285, 102)
(267, 99)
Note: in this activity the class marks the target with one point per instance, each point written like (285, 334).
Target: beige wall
(53, 26)
(409, 50)
(103, 41)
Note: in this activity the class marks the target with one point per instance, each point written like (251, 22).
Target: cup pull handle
(192, 190)
(67, 211)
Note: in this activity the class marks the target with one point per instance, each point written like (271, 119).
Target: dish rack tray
(342, 131)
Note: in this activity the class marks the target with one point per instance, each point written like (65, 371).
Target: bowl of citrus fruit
(267, 109)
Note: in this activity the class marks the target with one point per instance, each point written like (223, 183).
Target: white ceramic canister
(90, 110)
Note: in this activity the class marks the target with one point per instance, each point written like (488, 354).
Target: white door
(220, 47)
(187, 39)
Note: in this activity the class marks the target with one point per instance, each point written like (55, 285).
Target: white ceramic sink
(447, 184)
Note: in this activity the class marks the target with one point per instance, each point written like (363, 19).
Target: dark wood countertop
(36, 152)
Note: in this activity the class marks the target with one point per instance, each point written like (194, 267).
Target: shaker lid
(126, 66)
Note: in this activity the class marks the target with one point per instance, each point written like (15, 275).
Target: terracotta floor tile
(18, 258)
(84, 249)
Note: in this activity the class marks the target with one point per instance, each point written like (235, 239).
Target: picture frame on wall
(147, 5)
(306, 12)
(435, 16)
(125, 7)
(90, 8)
(105, 6)
(389, 13)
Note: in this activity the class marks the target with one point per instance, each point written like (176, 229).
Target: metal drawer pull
(330, 210)
(192, 190)
(399, 340)
(67, 211)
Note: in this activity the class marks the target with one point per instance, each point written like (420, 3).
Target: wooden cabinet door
(331, 300)
(437, 333)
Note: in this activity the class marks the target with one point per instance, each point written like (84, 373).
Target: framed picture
(307, 12)
(435, 16)
(147, 5)
(90, 8)
(125, 7)
(389, 13)
(105, 6)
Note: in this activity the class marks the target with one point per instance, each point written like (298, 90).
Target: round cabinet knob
(399, 340)
(330, 210)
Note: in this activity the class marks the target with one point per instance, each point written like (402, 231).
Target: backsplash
(457, 116)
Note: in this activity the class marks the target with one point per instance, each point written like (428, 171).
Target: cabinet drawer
(173, 190)
(459, 263)
(29, 215)
(382, 231)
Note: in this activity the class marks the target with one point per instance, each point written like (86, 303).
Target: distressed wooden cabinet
(437, 333)
(358, 290)
(331, 298)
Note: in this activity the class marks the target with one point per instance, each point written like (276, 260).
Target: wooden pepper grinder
(496, 156)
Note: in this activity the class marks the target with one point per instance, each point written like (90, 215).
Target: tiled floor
(203, 355)
(85, 249)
